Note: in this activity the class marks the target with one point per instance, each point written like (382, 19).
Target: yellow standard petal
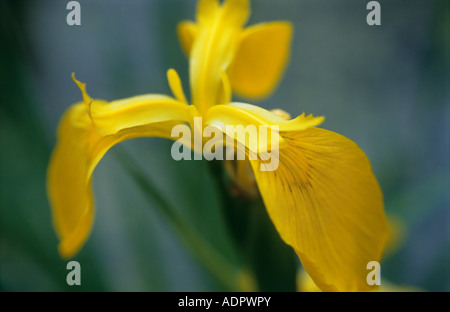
(187, 31)
(262, 55)
(254, 58)
(326, 203)
(87, 130)
(211, 44)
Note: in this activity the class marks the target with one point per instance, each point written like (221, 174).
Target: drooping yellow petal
(262, 55)
(306, 284)
(83, 139)
(112, 117)
(326, 203)
(323, 197)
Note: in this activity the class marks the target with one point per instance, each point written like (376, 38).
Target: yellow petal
(306, 284)
(176, 85)
(245, 114)
(224, 92)
(216, 37)
(326, 203)
(112, 117)
(86, 98)
(80, 146)
(261, 58)
(206, 10)
(236, 12)
(187, 31)
(232, 12)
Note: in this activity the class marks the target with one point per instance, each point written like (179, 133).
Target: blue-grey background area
(385, 87)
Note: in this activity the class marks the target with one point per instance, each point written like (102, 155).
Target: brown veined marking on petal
(301, 186)
(333, 188)
(286, 159)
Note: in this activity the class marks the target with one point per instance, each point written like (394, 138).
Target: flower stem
(227, 273)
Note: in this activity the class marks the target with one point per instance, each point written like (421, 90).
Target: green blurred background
(385, 87)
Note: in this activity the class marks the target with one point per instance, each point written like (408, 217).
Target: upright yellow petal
(206, 10)
(83, 138)
(187, 31)
(176, 86)
(212, 44)
(254, 58)
(262, 55)
(326, 203)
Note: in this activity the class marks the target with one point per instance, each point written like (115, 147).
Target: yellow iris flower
(323, 199)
